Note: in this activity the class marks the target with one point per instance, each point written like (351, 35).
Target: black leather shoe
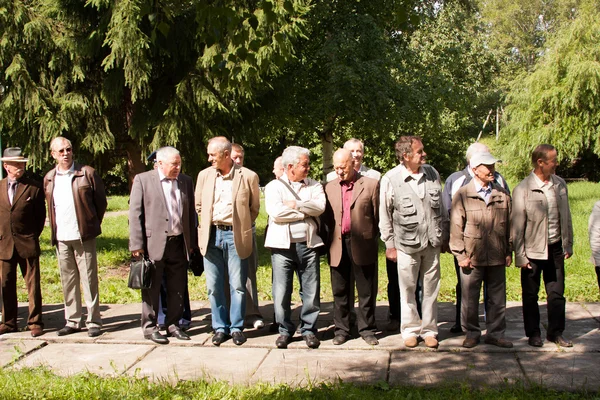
(535, 341)
(371, 340)
(469, 343)
(339, 339)
(67, 330)
(179, 334)
(93, 332)
(499, 342)
(559, 340)
(219, 338)
(282, 341)
(238, 338)
(312, 341)
(157, 338)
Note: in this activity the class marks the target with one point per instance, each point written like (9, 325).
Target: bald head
(343, 164)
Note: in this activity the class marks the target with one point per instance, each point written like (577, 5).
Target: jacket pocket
(408, 234)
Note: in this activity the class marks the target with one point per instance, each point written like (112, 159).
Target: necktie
(12, 188)
(175, 217)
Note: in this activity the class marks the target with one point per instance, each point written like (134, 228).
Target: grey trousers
(78, 268)
(471, 279)
(252, 311)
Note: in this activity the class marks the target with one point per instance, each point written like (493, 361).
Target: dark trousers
(30, 269)
(553, 270)
(343, 278)
(494, 278)
(598, 276)
(174, 267)
(393, 290)
(459, 295)
(187, 309)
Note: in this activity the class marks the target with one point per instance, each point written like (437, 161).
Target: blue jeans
(221, 255)
(305, 262)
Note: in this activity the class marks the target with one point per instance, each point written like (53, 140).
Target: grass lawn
(42, 384)
(113, 257)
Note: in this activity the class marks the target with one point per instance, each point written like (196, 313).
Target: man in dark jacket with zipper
(76, 205)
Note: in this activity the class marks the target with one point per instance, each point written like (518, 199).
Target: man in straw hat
(22, 217)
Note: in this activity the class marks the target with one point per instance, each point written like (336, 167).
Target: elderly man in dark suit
(162, 224)
(22, 217)
(227, 201)
(352, 216)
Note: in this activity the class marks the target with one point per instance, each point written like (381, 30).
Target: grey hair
(354, 140)
(164, 153)
(58, 139)
(291, 155)
(476, 148)
(221, 144)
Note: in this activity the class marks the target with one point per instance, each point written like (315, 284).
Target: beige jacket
(529, 221)
(478, 231)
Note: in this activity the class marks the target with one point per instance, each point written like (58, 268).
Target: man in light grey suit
(162, 224)
(227, 201)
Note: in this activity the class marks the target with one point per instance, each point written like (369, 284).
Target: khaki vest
(417, 222)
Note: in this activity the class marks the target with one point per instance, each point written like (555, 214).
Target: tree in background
(559, 101)
(122, 77)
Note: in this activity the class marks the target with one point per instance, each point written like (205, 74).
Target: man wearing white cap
(22, 217)
(480, 241)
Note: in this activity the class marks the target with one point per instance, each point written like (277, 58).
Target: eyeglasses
(65, 150)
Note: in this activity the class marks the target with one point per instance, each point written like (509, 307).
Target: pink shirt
(347, 188)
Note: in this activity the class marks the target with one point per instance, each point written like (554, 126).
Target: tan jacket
(529, 222)
(89, 197)
(478, 231)
(246, 205)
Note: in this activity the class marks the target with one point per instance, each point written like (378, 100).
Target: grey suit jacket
(149, 215)
(246, 204)
(364, 217)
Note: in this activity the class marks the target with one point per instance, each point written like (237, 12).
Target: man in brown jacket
(352, 214)
(480, 241)
(542, 233)
(22, 217)
(76, 205)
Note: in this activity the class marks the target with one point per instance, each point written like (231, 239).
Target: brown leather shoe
(411, 342)
(559, 340)
(36, 331)
(535, 341)
(469, 343)
(431, 342)
(6, 329)
(498, 342)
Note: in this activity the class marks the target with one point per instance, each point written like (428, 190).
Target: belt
(177, 237)
(224, 227)
(346, 235)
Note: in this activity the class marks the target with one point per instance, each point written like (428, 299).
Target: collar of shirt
(67, 172)
(480, 189)
(406, 174)
(541, 183)
(348, 185)
(227, 176)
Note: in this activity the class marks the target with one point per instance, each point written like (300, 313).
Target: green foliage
(558, 102)
(133, 74)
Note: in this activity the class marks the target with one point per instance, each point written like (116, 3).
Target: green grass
(113, 257)
(118, 203)
(42, 384)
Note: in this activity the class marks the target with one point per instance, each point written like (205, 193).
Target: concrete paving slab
(13, 349)
(301, 367)
(436, 368)
(563, 371)
(593, 309)
(235, 365)
(73, 358)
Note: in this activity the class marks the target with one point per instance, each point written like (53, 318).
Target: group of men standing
(474, 217)
(76, 204)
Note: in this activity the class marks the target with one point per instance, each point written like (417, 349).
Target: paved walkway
(121, 350)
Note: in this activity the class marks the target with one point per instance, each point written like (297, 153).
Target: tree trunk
(134, 161)
(327, 144)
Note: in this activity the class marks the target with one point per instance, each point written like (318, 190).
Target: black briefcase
(196, 264)
(140, 274)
